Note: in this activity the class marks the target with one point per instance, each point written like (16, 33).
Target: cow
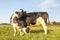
(16, 22)
(24, 20)
(34, 18)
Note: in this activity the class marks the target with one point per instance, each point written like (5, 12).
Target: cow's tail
(48, 19)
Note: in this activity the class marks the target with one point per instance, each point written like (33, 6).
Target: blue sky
(8, 7)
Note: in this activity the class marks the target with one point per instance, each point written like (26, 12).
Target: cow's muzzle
(28, 30)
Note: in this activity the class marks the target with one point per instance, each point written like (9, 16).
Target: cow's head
(19, 14)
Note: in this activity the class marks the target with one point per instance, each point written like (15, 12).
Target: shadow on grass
(38, 31)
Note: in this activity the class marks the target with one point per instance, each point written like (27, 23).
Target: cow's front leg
(24, 30)
(14, 28)
(20, 31)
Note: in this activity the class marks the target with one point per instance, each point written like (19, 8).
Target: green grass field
(36, 33)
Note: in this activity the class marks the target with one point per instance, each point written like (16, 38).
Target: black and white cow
(24, 21)
(17, 21)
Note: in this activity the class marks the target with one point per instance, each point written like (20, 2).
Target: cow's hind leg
(44, 25)
(41, 21)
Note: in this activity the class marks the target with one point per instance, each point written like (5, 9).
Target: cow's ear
(16, 12)
(24, 11)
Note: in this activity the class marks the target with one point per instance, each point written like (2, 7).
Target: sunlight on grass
(36, 33)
